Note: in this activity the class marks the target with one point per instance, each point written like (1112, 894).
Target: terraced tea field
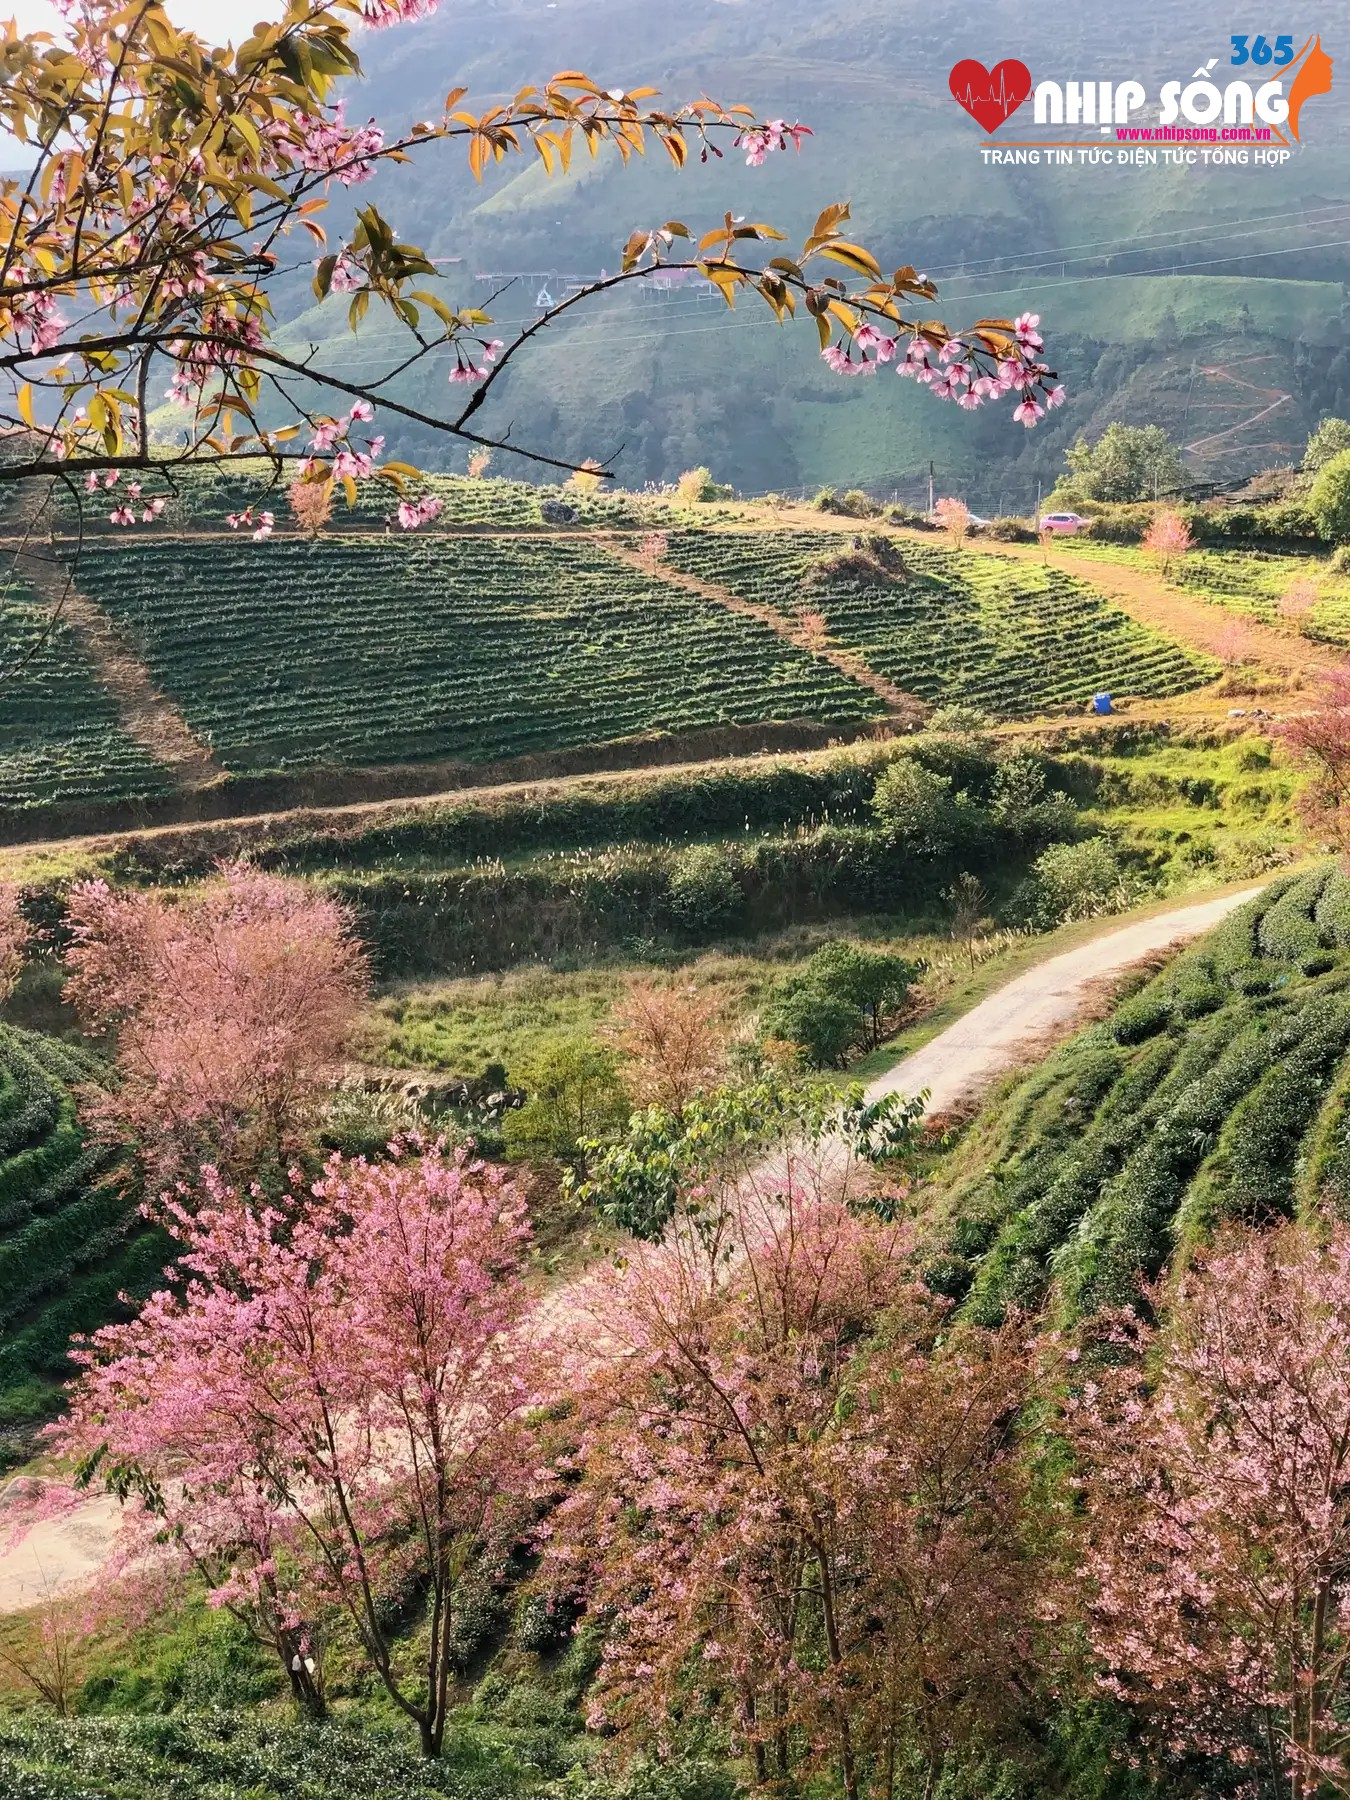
(70, 1241)
(354, 650)
(1219, 1092)
(1011, 638)
(1249, 582)
(60, 736)
(201, 499)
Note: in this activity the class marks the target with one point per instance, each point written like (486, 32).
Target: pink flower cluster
(228, 338)
(35, 315)
(261, 526)
(759, 140)
(466, 370)
(962, 372)
(379, 13)
(414, 513)
(346, 276)
(125, 514)
(330, 146)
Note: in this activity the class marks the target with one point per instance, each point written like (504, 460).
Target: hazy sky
(220, 20)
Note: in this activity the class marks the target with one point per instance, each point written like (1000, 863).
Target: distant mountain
(1210, 299)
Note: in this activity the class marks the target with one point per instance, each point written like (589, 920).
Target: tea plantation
(1010, 638)
(353, 650)
(70, 1240)
(60, 737)
(1219, 1092)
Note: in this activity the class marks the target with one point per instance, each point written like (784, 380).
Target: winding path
(64, 1552)
(994, 1035)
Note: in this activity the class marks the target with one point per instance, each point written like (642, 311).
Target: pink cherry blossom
(347, 1376)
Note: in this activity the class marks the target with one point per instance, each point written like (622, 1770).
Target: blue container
(1101, 703)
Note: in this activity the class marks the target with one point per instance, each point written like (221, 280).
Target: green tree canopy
(1331, 438)
(841, 999)
(1127, 462)
(1329, 500)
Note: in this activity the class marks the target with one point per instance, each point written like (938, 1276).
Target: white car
(1065, 522)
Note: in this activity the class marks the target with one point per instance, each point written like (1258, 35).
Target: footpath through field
(64, 1552)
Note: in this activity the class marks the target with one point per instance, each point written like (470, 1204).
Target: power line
(686, 306)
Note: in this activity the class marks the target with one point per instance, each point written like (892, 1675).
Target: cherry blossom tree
(673, 1039)
(1233, 644)
(173, 183)
(230, 1009)
(652, 551)
(954, 518)
(808, 1537)
(1320, 739)
(1296, 603)
(1167, 538)
(326, 1413)
(1216, 1499)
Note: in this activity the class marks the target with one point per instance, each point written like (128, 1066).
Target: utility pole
(1036, 522)
(930, 484)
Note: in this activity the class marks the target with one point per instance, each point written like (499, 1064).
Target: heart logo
(990, 96)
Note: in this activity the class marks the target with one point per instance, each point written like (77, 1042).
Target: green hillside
(1218, 1092)
(61, 740)
(1161, 288)
(367, 650)
(958, 627)
(501, 636)
(71, 1240)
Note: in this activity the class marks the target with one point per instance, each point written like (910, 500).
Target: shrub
(872, 558)
(1078, 881)
(588, 479)
(696, 485)
(909, 518)
(1009, 530)
(705, 897)
(859, 505)
(574, 1094)
(1340, 560)
(919, 806)
(1022, 806)
(961, 720)
(1329, 500)
(823, 1025)
(844, 998)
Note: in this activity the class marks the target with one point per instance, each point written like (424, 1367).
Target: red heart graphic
(990, 96)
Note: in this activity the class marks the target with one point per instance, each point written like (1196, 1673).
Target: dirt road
(986, 1041)
(62, 1553)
